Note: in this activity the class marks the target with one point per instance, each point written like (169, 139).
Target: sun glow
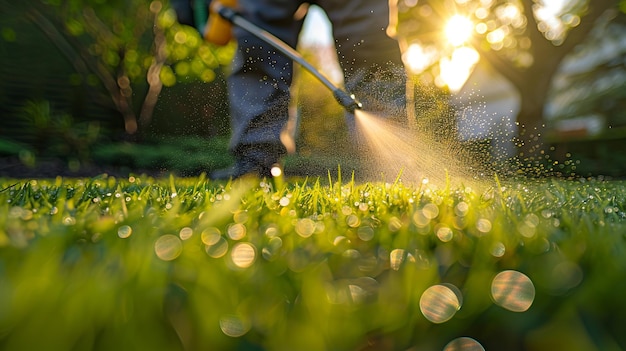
(459, 30)
(454, 71)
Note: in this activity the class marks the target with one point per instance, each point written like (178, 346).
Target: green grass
(315, 264)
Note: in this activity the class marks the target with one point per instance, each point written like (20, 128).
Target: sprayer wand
(348, 101)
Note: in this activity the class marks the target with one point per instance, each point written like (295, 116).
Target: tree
(131, 48)
(524, 40)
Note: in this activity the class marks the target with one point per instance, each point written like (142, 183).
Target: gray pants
(261, 77)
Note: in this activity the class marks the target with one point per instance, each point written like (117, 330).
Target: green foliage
(188, 264)
(56, 134)
(183, 155)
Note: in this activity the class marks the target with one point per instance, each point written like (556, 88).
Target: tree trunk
(533, 83)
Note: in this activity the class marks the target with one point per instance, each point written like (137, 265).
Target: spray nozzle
(348, 101)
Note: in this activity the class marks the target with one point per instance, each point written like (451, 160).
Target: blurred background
(88, 86)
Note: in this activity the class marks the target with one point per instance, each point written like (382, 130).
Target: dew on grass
(124, 231)
(243, 255)
(513, 291)
(463, 344)
(234, 326)
(439, 303)
(168, 247)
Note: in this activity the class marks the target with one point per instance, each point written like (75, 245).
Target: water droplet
(439, 303)
(464, 344)
(185, 233)
(234, 326)
(236, 231)
(305, 227)
(483, 225)
(365, 233)
(420, 220)
(498, 249)
(396, 257)
(276, 171)
(168, 247)
(430, 211)
(68, 221)
(513, 291)
(240, 216)
(243, 255)
(284, 201)
(394, 224)
(353, 221)
(124, 231)
(444, 233)
(218, 249)
(461, 209)
(210, 235)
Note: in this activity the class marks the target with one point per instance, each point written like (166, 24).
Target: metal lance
(348, 101)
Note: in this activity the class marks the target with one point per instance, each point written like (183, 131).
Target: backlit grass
(188, 264)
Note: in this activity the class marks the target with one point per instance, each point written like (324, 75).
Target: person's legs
(259, 86)
(370, 59)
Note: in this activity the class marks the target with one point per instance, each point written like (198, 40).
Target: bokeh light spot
(237, 231)
(430, 211)
(353, 221)
(124, 231)
(168, 247)
(185, 233)
(365, 233)
(218, 249)
(395, 259)
(513, 291)
(439, 303)
(234, 326)
(210, 236)
(444, 233)
(243, 255)
(305, 227)
(464, 344)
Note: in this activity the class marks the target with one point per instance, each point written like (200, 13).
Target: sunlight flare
(459, 30)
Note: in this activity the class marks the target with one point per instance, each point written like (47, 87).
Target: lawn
(174, 263)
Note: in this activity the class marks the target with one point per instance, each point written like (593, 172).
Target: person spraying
(261, 75)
